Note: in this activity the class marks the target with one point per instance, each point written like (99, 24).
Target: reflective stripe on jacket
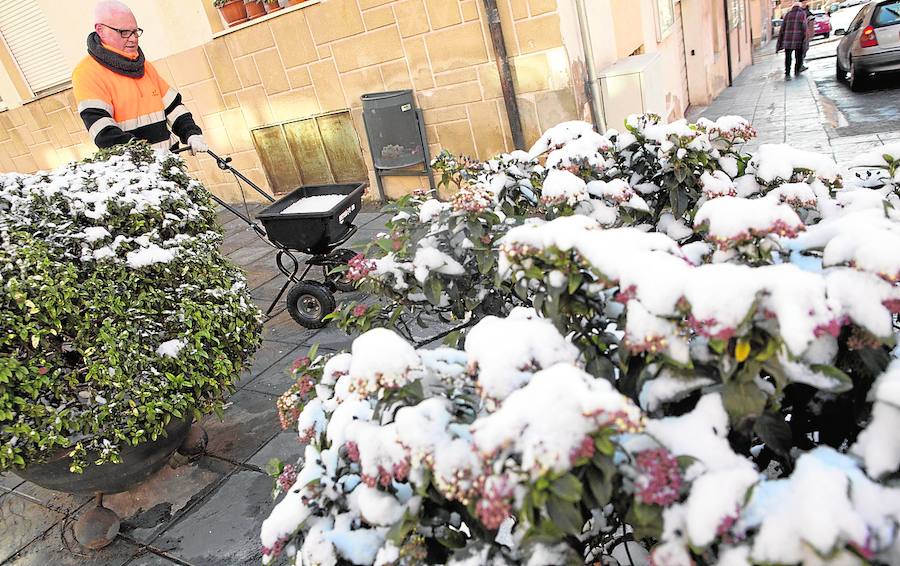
(116, 108)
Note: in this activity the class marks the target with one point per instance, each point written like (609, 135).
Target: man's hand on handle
(197, 144)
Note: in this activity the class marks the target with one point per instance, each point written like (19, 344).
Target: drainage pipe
(506, 81)
(728, 41)
(595, 96)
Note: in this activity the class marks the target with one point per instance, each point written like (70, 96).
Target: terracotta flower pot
(234, 12)
(272, 6)
(295, 2)
(255, 9)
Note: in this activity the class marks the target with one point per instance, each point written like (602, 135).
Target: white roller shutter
(32, 44)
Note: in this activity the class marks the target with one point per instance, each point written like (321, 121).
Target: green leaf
(565, 515)
(743, 400)
(604, 445)
(401, 529)
(274, 467)
(842, 382)
(600, 485)
(567, 487)
(646, 520)
(776, 433)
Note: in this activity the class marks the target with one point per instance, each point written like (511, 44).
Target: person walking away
(810, 34)
(793, 37)
(121, 96)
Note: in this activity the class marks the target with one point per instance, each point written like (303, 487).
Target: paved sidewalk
(795, 111)
(207, 512)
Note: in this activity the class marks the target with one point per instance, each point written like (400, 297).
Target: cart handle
(224, 164)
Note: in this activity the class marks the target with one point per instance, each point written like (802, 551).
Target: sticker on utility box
(343, 216)
(406, 108)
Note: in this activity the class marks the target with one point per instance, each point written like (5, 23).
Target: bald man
(120, 96)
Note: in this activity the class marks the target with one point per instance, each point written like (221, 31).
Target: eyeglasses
(126, 33)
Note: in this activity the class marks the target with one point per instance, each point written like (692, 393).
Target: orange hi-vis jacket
(117, 108)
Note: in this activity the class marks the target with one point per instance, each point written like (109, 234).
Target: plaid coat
(793, 30)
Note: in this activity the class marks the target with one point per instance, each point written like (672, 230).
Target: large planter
(272, 6)
(138, 463)
(234, 12)
(254, 9)
(98, 526)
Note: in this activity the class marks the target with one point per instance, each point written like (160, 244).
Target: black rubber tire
(309, 302)
(827, 35)
(857, 81)
(839, 73)
(337, 280)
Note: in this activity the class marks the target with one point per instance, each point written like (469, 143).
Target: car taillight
(868, 38)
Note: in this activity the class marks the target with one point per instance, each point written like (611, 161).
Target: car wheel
(857, 80)
(839, 73)
(827, 35)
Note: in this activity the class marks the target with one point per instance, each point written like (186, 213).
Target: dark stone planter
(98, 526)
(138, 463)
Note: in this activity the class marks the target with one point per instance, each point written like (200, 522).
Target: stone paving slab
(224, 529)
(58, 547)
(152, 507)
(285, 447)
(277, 379)
(150, 559)
(23, 521)
(248, 422)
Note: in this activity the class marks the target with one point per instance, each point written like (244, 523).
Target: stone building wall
(322, 58)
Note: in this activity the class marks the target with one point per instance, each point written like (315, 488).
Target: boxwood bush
(118, 312)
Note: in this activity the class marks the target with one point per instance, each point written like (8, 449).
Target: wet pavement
(814, 111)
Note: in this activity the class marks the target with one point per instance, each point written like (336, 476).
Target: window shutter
(33, 45)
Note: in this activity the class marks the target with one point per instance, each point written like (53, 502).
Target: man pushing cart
(121, 97)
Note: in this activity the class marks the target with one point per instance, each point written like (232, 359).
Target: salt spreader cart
(317, 234)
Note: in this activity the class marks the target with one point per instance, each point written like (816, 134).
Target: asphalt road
(875, 110)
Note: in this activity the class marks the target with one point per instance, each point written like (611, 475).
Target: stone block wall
(322, 58)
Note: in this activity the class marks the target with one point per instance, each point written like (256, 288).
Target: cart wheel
(339, 280)
(308, 303)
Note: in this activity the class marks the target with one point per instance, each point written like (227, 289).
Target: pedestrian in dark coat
(793, 37)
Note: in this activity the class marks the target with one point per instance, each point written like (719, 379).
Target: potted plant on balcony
(121, 323)
(255, 9)
(272, 6)
(234, 12)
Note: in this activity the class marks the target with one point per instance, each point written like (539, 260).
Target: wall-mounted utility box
(633, 85)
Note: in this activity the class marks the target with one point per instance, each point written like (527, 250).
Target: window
(33, 45)
(665, 18)
(857, 22)
(887, 14)
(736, 14)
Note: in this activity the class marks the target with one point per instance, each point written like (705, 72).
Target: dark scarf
(113, 61)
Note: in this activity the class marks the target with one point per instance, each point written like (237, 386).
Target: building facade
(281, 93)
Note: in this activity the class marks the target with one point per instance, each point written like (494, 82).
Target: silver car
(871, 44)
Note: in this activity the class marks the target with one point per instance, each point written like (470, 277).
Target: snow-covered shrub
(438, 258)
(492, 456)
(118, 312)
(747, 334)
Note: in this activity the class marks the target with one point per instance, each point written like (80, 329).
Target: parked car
(822, 23)
(850, 3)
(871, 44)
(776, 26)
(841, 19)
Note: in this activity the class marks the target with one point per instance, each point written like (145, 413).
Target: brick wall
(322, 58)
